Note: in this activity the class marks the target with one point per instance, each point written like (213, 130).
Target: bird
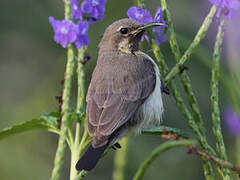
(125, 92)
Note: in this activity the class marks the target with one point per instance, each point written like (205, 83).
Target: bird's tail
(90, 158)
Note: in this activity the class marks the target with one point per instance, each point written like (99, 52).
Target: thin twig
(217, 131)
(204, 155)
(59, 157)
(185, 80)
(181, 105)
(65, 116)
(198, 38)
(77, 145)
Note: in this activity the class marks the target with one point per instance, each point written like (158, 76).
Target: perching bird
(125, 90)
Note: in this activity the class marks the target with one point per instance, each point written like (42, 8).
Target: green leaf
(163, 130)
(81, 116)
(51, 118)
(56, 114)
(44, 123)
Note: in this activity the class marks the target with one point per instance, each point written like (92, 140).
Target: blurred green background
(32, 66)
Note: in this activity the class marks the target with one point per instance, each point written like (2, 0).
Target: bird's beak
(150, 25)
(144, 27)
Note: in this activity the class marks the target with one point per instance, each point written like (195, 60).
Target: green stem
(185, 80)
(81, 175)
(198, 38)
(140, 3)
(228, 82)
(65, 115)
(120, 159)
(59, 157)
(217, 131)
(183, 76)
(76, 149)
(217, 161)
(163, 147)
(81, 81)
(181, 105)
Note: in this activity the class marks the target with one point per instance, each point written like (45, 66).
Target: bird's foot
(183, 68)
(116, 146)
(164, 88)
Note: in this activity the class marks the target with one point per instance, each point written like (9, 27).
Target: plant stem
(59, 157)
(65, 114)
(81, 175)
(198, 38)
(217, 131)
(181, 105)
(183, 76)
(227, 81)
(185, 80)
(120, 159)
(75, 153)
(217, 161)
(163, 147)
(81, 81)
(179, 100)
(140, 3)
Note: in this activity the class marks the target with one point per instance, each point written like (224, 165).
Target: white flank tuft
(152, 109)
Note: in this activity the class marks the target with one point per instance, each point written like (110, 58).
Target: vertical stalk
(120, 159)
(215, 100)
(59, 157)
(181, 105)
(185, 80)
(198, 38)
(65, 114)
(208, 171)
(75, 153)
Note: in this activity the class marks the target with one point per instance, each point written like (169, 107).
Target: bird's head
(124, 35)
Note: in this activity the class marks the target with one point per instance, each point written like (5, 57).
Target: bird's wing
(117, 89)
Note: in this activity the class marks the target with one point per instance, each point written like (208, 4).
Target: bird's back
(120, 84)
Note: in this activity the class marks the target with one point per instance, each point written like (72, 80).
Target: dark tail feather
(90, 158)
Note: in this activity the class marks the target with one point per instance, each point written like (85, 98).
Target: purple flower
(158, 32)
(227, 7)
(95, 8)
(65, 31)
(140, 15)
(143, 16)
(76, 11)
(82, 37)
(232, 121)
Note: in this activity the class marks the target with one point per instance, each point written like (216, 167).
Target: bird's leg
(183, 68)
(164, 88)
(116, 146)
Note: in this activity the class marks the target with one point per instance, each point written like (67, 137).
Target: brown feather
(120, 84)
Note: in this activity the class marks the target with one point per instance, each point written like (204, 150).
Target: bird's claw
(183, 68)
(116, 146)
(164, 88)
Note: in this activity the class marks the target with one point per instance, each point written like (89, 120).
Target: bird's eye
(124, 30)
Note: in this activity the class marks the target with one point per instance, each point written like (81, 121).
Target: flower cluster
(67, 31)
(226, 7)
(143, 16)
(232, 121)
